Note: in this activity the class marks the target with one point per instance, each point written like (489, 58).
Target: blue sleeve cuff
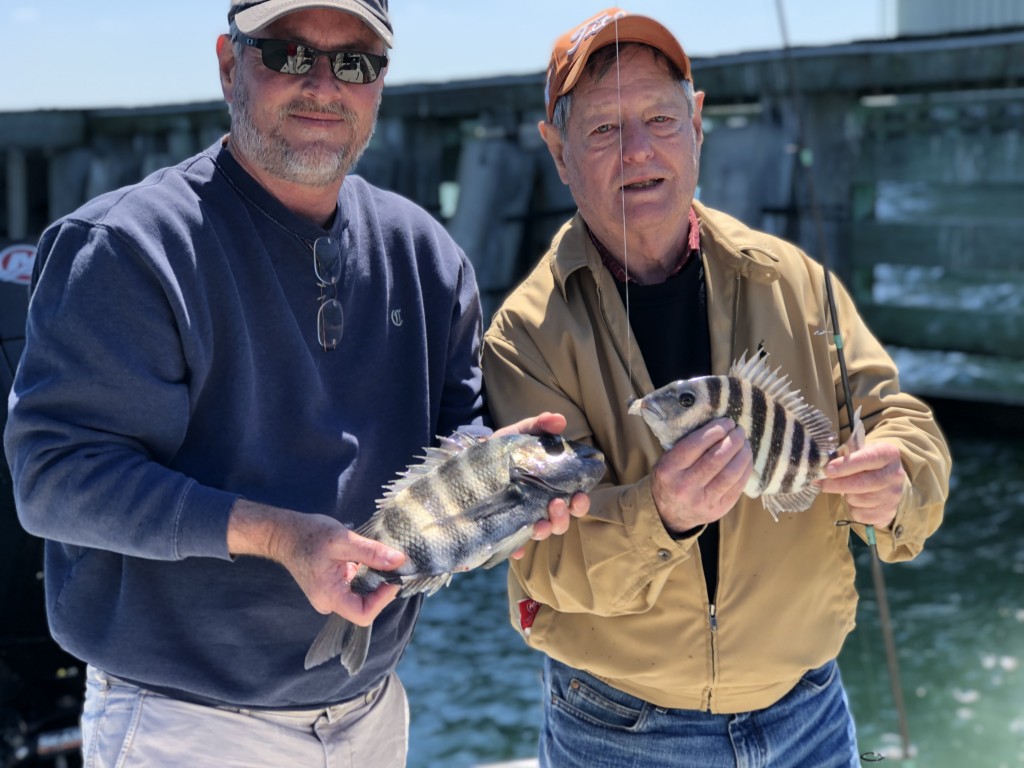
(201, 527)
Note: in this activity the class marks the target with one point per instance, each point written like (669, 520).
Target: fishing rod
(878, 577)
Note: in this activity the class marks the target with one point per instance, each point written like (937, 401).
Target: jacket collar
(619, 271)
(723, 239)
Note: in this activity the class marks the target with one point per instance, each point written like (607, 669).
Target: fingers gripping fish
(791, 441)
(470, 503)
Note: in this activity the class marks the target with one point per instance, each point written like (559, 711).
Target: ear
(226, 63)
(698, 120)
(553, 139)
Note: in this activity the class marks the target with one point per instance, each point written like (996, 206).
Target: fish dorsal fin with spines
(778, 388)
(433, 458)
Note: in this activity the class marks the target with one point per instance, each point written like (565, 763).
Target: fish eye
(552, 444)
(687, 399)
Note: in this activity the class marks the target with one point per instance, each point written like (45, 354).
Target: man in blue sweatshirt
(224, 364)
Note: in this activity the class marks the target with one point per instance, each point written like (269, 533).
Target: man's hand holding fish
(871, 480)
(701, 477)
(320, 553)
(472, 501)
(559, 513)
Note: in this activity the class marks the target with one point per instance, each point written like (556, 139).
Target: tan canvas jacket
(617, 595)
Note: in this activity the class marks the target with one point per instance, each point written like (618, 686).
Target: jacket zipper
(712, 608)
(713, 620)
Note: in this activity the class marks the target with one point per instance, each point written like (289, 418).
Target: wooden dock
(915, 146)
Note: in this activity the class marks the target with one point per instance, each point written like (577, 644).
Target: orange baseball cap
(612, 25)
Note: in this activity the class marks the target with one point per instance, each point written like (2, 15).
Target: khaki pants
(124, 726)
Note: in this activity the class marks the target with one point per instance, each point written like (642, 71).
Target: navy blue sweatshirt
(172, 366)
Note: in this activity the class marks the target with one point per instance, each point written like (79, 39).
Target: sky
(115, 53)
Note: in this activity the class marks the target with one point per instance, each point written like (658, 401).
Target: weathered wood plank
(43, 129)
(986, 333)
(967, 61)
(961, 247)
(952, 157)
(960, 376)
(920, 201)
(932, 129)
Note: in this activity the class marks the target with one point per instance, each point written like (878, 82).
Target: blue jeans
(589, 724)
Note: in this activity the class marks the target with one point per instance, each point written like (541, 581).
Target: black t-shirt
(670, 324)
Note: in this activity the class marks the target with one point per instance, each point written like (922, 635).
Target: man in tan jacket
(682, 625)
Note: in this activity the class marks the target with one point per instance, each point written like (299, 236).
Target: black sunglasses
(293, 58)
(330, 319)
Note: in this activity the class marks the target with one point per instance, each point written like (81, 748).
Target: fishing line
(805, 160)
(622, 199)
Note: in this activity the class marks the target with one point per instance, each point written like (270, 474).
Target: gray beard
(317, 166)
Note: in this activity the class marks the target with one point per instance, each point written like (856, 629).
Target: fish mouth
(642, 406)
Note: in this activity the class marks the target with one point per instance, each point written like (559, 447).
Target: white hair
(599, 64)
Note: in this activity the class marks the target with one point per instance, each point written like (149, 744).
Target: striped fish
(791, 441)
(470, 503)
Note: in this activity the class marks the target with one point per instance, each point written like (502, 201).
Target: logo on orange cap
(591, 28)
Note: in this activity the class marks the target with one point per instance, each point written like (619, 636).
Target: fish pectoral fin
(340, 637)
(503, 549)
(498, 504)
(520, 476)
(790, 502)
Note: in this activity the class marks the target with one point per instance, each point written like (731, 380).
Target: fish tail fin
(356, 647)
(340, 637)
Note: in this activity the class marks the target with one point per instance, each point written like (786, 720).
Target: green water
(958, 622)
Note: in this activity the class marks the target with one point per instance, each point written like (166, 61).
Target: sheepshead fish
(470, 503)
(791, 440)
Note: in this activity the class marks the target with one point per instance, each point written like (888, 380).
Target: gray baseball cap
(250, 15)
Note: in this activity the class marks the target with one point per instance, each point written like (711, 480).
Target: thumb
(543, 423)
(552, 423)
(371, 553)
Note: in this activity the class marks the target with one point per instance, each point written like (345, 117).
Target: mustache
(314, 107)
